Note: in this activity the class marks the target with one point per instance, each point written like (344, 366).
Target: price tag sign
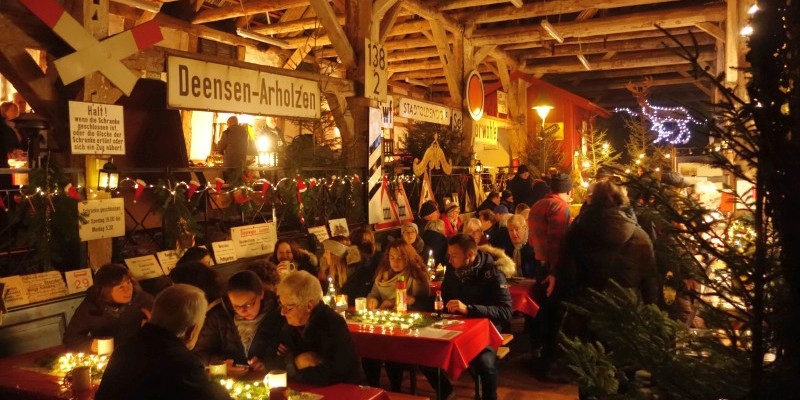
(15, 292)
(224, 251)
(321, 232)
(375, 71)
(144, 267)
(78, 280)
(168, 260)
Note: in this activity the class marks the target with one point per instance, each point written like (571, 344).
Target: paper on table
(434, 333)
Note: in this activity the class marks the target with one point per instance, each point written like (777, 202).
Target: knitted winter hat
(560, 183)
(428, 208)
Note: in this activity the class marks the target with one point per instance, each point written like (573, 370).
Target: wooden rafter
(616, 46)
(588, 13)
(388, 21)
(447, 60)
(342, 45)
(712, 29)
(444, 5)
(245, 8)
(502, 73)
(636, 35)
(542, 8)
(631, 73)
(636, 60)
(379, 10)
(293, 26)
(405, 55)
(482, 52)
(688, 16)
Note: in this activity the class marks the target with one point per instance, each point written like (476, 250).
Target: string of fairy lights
(671, 124)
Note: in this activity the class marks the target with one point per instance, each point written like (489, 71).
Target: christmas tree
(543, 152)
(739, 269)
(643, 152)
(419, 136)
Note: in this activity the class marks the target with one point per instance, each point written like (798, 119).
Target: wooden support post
(344, 48)
(97, 89)
(448, 61)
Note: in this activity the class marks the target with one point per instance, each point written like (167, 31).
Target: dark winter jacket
(359, 282)
(234, 144)
(154, 364)
(219, 339)
(522, 190)
(438, 243)
(486, 205)
(327, 335)
(530, 266)
(498, 236)
(484, 290)
(92, 321)
(603, 244)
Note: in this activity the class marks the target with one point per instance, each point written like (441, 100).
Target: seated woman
(410, 232)
(315, 342)
(400, 259)
(362, 274)
(334, 262)
(287, 252)
(196, 254)
(114, 306)
(452, 219)
(244, 330)
(474, 229)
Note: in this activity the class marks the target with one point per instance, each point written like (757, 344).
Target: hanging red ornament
(192, 189)
(138, 189)
(356, 180)
(312, 183)
(72, 192)
(239, 198)
(301, 185)
(218, 182)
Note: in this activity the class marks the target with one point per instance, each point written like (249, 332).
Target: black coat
(603, 244)
(530, 266)
(498, 236)
(219, 339)
(438, 243)
(91, 321)
(359, 283)
(486, 205)
(485, 291)
(327, 335)
(522, 190)
(154, 364)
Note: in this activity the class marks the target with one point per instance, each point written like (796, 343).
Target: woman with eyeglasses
(244, 332)
(114, 306)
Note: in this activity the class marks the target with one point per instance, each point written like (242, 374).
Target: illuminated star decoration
(670, 123)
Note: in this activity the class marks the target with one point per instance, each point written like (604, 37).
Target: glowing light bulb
(746, 31)
(753, 9)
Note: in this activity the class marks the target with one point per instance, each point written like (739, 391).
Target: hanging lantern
(108, 177)
(479, 167)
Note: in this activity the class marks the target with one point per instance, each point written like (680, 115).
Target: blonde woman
(334, 262)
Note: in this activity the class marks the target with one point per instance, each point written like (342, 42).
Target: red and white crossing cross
(90, 54)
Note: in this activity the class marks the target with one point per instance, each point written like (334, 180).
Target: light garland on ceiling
(671, 124)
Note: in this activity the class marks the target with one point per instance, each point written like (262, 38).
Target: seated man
(157, 362)
(475, 287)
(315, 341)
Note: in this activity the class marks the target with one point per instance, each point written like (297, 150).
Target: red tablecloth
(22, 378)
(520, 290)
(452, 355)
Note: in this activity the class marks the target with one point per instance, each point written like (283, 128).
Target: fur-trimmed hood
(501, 261)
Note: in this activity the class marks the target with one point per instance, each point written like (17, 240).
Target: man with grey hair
(315, 342)
(518, 248)
(435, 239)
(157, 363)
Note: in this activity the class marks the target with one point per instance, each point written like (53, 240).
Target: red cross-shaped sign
(90, 54)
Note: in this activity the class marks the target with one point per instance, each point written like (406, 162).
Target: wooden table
(23, 378)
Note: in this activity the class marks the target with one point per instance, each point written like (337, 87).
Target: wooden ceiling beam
(636, 35)
(293, 26)
(637, 60)
(712, 29)
(588, 13)
(448, 61)
(245, 8)
(542, 8)
(482, 53)
(340, 42)
(632, 73)
(562, 50)
(587, 87)
(420, 65)
(432, 14)
(445, 5)
(425, 52)
(388, 21)
(644, 21)
(435, 73)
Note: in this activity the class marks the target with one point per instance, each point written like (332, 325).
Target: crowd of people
(271, 314)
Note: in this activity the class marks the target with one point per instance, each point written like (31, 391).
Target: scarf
(247, 329)
(469, 271)
(518, 258)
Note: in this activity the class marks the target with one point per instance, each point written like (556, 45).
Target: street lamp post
(543, 105)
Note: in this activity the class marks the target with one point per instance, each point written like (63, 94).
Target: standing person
(9, 140)
(315, 342)
(475, 287)
(157, 362)
(245, 330)
(233, 144)
(506, 200)
(452, 219)
(521, 185)
(548, 223)
(114, 306)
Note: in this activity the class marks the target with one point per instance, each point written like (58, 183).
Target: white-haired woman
(315, 342)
